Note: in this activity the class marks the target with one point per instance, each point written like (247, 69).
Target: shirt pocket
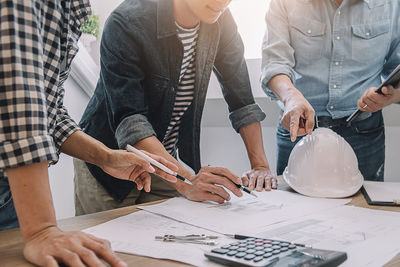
(307, 39)
(370, 42)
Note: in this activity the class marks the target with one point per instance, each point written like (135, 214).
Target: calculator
(268, 252)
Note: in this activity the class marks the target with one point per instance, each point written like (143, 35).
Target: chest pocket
(370, 42)
(307, 39)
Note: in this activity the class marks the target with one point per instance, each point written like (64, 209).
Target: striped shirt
(185, 91)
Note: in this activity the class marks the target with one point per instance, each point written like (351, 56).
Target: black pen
(245, 189)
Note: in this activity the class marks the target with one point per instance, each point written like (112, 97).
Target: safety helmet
(323, 164)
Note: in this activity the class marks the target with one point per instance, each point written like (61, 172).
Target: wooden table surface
(11, 244)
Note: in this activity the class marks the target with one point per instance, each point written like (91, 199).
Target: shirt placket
(335, 73)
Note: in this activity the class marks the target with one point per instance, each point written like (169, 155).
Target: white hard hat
(323, 164)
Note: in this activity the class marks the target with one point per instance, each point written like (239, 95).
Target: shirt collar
(165, 19)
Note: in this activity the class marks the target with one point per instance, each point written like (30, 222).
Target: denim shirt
(331, 53)
(141, 58)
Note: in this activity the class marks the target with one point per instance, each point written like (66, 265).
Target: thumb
(388, 90)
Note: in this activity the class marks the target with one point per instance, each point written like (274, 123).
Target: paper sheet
(240, 214)
(382, 191)
(135, 234)
(369, 237)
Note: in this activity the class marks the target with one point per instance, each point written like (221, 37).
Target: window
(250, 18)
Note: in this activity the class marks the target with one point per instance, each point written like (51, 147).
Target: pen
(156, 163)
(245, 189)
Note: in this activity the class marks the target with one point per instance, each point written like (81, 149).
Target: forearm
(282, 87)
(154, 146)
(32, 198)
(86, 148)
(252, 138)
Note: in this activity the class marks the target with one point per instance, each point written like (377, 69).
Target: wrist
(291, 93)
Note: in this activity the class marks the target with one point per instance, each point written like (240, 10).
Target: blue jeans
(366, 137)
(8, 216)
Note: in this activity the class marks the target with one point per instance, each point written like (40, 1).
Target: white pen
(156, 163)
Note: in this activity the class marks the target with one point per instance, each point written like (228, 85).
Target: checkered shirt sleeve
(35, 42)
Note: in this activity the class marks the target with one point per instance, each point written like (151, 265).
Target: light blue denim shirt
(331, 53)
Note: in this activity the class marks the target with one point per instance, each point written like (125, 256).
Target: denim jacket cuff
(245, 116)
(271, 71)
(132, 129)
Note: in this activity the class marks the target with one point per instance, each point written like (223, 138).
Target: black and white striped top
(184, 92)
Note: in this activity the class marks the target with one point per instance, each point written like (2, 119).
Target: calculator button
(273, 247)
(243, 245)
(259, 253)
(284, 249)
(240, 255)
(250, 251)
(276, 251)
(267, 245)
(257, 259)
(275, 243)
(232, 253)
(291, 246)
(258, 240)
(241, 249)
(259, 248)
(233, 247)
(267, 255)
(226, 246)
(259, 244)
(251, 246)
(220, 250)
(284, 244)
(235, 244)
(268, 250)
(249, 257)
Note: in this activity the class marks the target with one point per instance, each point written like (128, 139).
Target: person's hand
(371, 101)
(298, 109)
(128, 166)
(258, 178)
(76, 249)
(208, 185)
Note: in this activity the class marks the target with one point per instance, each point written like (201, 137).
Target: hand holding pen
(212, 184)
(171, 171)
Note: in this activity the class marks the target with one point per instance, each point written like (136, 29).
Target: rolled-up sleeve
(277, 53)
(65, 125)
(122, 78)
(231, 71)
(24, 137)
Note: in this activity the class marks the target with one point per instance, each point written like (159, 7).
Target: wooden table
(11, 244)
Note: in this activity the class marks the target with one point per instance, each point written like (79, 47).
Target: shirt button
(309, 31)
(337, 63)
(339, 12)
(367, 34)
(337, 37)
(331, 107)
(334, 86)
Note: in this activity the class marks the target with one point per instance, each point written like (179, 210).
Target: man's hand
(259, 178)
(207, 185)
(128, 166)
(371, 101)
(297, 109)
(76, 249)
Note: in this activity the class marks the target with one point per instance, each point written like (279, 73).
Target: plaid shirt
(38, 42)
